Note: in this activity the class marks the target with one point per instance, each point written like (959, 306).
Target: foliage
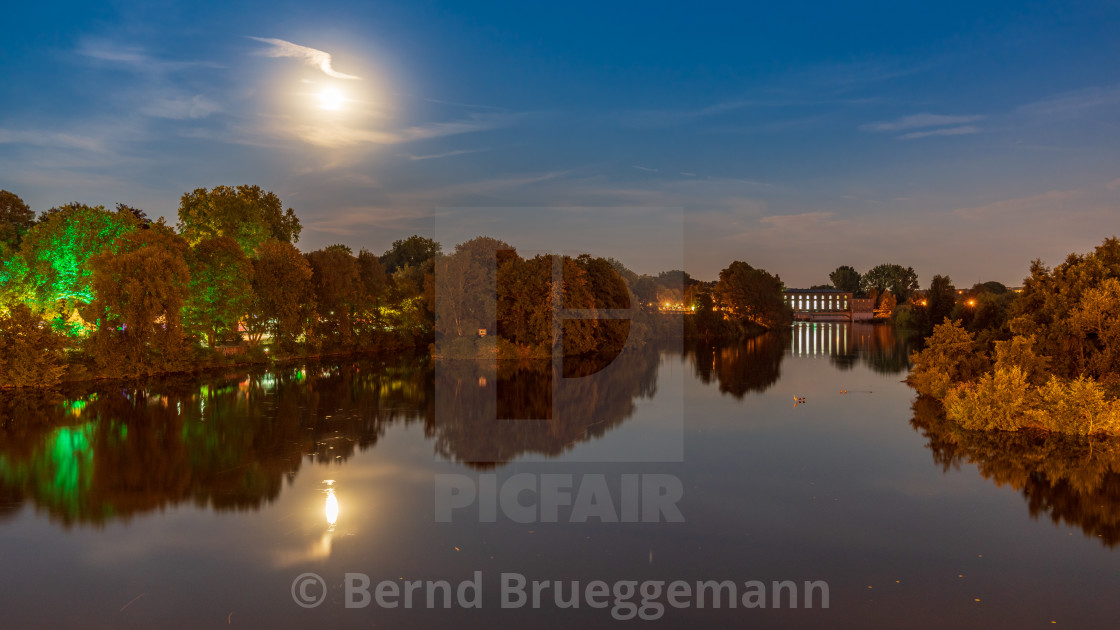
(846, 278)
(949, 358)
(1003, 400)
(900, 281)
(220, 288)
(466, 287)
(282, 294)
(1056, 347)
(247, 214)
(57, 249)
(140, 291)
(415, 251)
(337, 284)
(752, 295)
(31, 353)
(16, 218)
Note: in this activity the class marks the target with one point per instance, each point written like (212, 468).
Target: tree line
(89, 292)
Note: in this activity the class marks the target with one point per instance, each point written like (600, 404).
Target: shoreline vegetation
(1046, 361)
(89, 293)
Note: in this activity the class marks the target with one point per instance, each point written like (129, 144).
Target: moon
(331, 99)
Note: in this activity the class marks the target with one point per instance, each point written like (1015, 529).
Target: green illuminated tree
(246, 214)
(140, 290)
(220, 288)
(57, 249)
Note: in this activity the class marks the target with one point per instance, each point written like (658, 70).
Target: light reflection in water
(331, 509)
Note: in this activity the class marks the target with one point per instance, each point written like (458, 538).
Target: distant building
(818, 303)
(863, 309)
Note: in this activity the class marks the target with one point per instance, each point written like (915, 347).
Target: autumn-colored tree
(752, 295)
(525, 301)
(31, 353)
(247, 214)
(337, 283)
(16, 218)
(283, 295)
(466, 285)
(140, 290)
(949, 358)
(220, 288)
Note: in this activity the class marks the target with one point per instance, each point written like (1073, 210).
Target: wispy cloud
(436, 156)
(135, 57)
(947, 131)
(181, 107)
(310, 56)
(338, 135)
(1074, 103)
(645, 168)
(919, 121)
(49, 139)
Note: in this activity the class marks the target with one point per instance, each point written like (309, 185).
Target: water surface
(195, 502)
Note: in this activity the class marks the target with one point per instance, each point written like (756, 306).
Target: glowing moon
(331, 99)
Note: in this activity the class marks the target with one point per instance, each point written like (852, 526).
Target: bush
(32, 354)
(950, 358)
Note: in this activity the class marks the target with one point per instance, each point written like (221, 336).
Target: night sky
(958, 138)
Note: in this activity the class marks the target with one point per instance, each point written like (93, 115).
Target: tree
(337, 283)
(140, 290)
(466, 285)
(57, 249)
(752, 295)
(246, 214)
(374, 296)
(31, 353)
(888, 302)
(900, 281)
(846, 278)
(16, 218)
(141, 216)
(282, 293)
(949, 358)
(416, 251)
(220, 287)
(940, 298)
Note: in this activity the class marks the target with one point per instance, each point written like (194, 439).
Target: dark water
(196, 502)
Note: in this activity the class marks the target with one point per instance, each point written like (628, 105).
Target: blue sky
(959, 138)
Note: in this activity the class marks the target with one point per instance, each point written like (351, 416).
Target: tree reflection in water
(1071, 479)
(229, 441)
(750, 365)
(221, 441)
(492, 412)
